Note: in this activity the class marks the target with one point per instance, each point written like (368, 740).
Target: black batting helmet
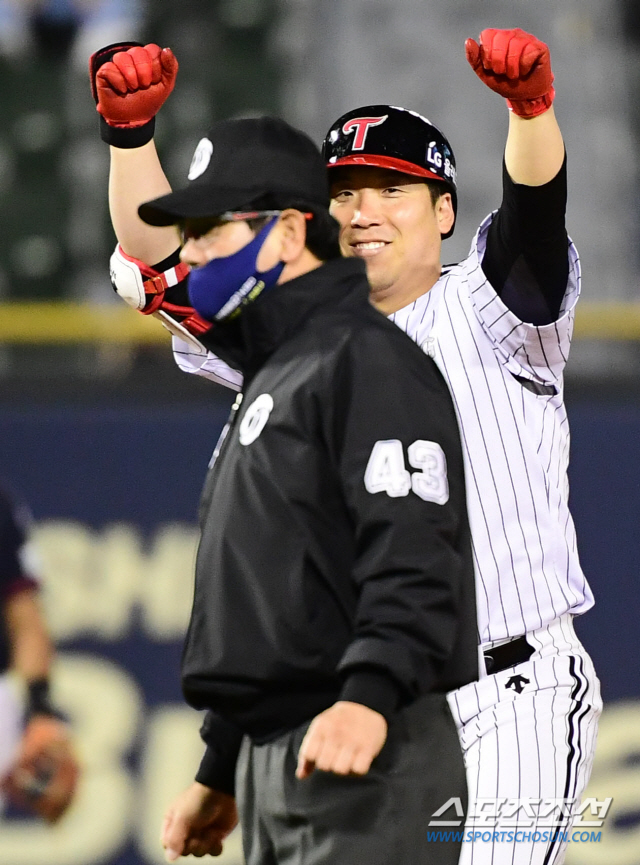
(395, 138)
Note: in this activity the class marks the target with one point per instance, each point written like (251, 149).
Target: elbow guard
(148, 291)
(139, 285)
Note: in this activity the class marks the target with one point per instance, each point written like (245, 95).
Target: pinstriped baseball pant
(528, 733)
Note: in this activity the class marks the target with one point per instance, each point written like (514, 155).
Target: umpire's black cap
(241, 162)
(389, 137)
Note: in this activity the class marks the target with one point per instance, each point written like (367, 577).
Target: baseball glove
(44, 778)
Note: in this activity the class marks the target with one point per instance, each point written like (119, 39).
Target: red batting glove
(132, 87)
(130, 83)
(516, 65)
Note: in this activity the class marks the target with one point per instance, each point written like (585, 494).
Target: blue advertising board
(114, 491)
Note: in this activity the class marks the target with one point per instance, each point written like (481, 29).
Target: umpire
(334, 600)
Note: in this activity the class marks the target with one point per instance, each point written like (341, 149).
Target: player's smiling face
(389, 221)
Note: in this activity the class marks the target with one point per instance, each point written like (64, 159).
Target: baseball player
(498, 325)
(38, 770)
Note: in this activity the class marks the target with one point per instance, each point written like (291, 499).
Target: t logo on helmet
(361, 126)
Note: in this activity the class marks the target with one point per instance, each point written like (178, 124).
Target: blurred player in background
(38, 770)
(499, 326)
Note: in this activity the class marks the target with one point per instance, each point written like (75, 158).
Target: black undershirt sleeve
(175, 293)
(526, 258)
(170, 261)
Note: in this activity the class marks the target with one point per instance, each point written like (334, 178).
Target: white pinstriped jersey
(506, 379)
(516, 442)
(205, 363)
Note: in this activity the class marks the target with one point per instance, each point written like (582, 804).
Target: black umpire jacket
(335, 559)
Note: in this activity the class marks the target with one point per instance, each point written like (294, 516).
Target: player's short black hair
(436, 189)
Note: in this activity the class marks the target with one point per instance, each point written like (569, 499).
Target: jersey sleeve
(201, 362)
(19, 567)
(525, 257)
(400, 463)
(188, 356)
(535, 351)
(218, 766)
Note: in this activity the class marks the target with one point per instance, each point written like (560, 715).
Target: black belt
(507, 655)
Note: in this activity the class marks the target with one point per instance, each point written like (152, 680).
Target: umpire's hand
(343, 739)
(197, 822)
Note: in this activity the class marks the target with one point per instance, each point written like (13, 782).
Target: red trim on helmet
(378, 161)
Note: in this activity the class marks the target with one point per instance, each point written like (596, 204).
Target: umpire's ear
(293, 235)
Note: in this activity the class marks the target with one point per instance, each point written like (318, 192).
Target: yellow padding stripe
(615, 321)
(61, 322)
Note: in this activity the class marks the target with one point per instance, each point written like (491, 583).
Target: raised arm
(535, 150)
(130, 84)
(517, 65)
(136, 176)
(526, 252)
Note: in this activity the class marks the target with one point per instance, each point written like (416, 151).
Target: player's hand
(45, 775)
(133, 85)
(344, 739)
(197, 822)
(516, 65)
